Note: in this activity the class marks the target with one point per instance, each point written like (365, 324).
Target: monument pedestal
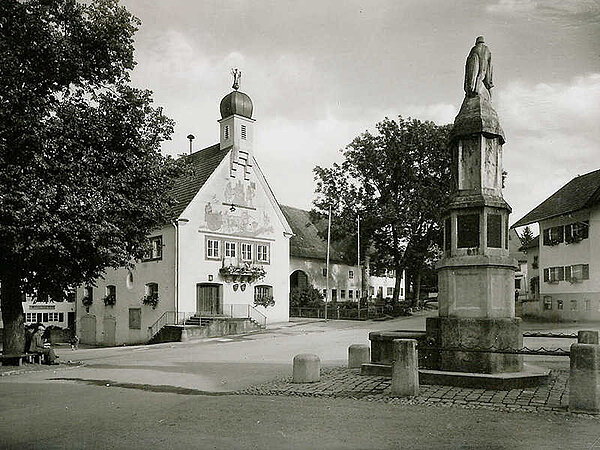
(475, 333)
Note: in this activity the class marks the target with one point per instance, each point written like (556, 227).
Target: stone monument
(476, 273)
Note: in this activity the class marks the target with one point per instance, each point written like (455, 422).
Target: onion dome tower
(237, 128)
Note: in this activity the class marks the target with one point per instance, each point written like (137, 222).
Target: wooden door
(208, 301)
(87, 330)
(110, 331)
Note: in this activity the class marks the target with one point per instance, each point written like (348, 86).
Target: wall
(129, 295)
(339, 276)
(256, 219)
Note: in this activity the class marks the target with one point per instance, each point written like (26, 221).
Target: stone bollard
(358, 354)
(307, 368)
(584, 380)
(587, 337)
(405, 368)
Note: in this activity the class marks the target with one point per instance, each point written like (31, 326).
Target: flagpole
(327, 279)
(358, 260)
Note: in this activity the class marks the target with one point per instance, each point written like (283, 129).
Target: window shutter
(546, 275)
(568, 273)
(546, 237)
(585, 272)
(569, 232)
(585, 229)
(561, 274)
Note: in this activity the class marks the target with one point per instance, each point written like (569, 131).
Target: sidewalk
(341, 382)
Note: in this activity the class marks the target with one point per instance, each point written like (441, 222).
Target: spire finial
(237, 76)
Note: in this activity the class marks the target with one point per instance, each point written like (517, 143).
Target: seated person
(37, 346)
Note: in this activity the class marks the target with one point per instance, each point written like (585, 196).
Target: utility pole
(327, 279)
(358, 260)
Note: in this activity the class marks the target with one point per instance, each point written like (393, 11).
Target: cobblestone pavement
(341, 382)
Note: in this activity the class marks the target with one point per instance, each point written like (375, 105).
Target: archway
(299, 279)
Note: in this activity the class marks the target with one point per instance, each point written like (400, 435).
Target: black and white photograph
(279, 224)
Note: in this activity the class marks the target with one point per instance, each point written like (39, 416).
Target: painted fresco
(236, 213)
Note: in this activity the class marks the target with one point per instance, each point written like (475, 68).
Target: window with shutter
(585, 271)
(546, 275)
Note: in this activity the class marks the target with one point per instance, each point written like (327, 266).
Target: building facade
(568, 256)
(308, 261)
(225, 252)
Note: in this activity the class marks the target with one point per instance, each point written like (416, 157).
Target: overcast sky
(321, 72)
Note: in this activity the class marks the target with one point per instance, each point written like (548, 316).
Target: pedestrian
(38, 346)
(74, 341)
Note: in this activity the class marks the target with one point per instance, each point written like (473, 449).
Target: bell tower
(237, 129)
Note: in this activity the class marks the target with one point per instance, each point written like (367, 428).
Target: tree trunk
(12, 315)
(417, 301)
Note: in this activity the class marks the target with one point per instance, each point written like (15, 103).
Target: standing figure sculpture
(478, 71)
(237, 76)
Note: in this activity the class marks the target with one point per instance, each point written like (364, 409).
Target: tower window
(226, 132)
(244, 132)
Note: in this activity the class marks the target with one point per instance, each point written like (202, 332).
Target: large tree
(398, 181)
(82, 180)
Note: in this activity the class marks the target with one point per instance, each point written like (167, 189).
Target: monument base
(474, 333)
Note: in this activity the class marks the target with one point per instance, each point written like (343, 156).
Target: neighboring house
(383, 286)
(569, 250)
(227, 245)
(308, 260)
(521, 280)
(48, 312)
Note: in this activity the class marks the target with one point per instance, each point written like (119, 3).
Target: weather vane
(237, 76)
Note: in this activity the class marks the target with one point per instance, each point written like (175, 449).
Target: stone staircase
(197, 327)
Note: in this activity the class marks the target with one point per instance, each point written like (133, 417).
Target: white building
(227, 246)
(568, 251)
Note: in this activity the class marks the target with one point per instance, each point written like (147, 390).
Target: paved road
(174, 395)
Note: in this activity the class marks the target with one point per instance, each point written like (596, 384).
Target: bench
(18, 359)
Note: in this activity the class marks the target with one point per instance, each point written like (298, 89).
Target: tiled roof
(534, 243)
(306, 242)
(203, 164)
(579, 193)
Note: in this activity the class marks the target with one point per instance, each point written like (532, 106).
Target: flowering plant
(110, 300)
(245, 272)
(151, 299)
(265, 301)
(87, 300)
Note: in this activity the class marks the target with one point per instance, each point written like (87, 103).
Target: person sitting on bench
(37, 346)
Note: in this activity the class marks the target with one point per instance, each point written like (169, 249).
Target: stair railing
(255, 315)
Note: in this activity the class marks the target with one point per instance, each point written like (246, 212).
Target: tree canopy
(398, 181)
(82, 180)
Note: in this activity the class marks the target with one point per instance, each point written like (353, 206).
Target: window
(350, 293)
(155, 251)
(577, 272)
(535, 263)
(468, 230)
(212, 249)
(380, 291)
(554, 274)
(334, 295)
(110, 296)
(351, 274)
(246, 251)
(517, 283)
(357, 293)
(553, 235)
(263, 294)
(342, 294)
(324, 293)
(262, 253)
(230, 248)
(244, 132)
(390, 292)
(577, 231)
(588, 304)
(324, 271)
(135, 318)
(573, 305)
(548, 302)
(226, 132)
(152, 289)
(89, 293)
(559, 304)
(45, 317)
(61, 317)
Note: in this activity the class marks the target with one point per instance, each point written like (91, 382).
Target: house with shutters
(568, 253)
(224, 256)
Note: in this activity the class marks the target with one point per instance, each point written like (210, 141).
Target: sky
(321, 72)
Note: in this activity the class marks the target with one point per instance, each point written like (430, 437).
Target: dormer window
(226, 132)
(244, 132)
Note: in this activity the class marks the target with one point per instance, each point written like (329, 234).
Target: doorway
(110, 331)
(208, 299)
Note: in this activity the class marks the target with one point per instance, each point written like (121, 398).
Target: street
(180, 394)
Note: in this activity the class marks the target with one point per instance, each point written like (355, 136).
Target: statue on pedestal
(478, 70)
